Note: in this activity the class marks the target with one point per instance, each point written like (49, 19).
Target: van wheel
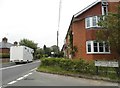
(16, 62)
(27, 61)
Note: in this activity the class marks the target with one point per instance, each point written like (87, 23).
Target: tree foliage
(47, 51)
(52, 51)
(55, 49)
(39, 53)
(110, 30)
(28, 43)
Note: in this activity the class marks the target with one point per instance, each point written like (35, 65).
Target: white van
(19, 54)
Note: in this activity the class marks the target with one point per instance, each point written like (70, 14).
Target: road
(38, 79)
(13, 72)
(46, 79)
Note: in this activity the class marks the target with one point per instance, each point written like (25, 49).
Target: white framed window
(104, 7)
(89, 46)
(92, 21)
(104, 10)
(88, 22)
(93, 47)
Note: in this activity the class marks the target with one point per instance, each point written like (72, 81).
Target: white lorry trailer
(19, 54)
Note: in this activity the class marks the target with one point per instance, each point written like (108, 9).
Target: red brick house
(5, 50)
(80, 41)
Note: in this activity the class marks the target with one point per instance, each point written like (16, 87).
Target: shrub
(70, 65)
(78, 66)
(50, 61)
(4, 55)
(66, 64)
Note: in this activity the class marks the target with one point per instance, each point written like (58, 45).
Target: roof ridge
(86, 8)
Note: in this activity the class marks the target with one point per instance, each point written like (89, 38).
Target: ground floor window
(94, 47)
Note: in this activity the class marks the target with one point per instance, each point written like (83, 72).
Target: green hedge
(78, 66)
(4, 55)
(70, 65)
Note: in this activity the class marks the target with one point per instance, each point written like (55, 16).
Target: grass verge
(60, 71)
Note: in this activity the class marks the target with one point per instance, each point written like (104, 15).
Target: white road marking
(10, 67)
(20, 78)
(12, 82)
(16, 66)
(30, 73)
(27, 75)
(33, 69)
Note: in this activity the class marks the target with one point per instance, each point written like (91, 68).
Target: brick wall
(5, 50)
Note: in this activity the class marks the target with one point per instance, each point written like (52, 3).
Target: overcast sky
(37, 20)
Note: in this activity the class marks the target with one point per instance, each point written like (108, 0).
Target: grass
(51, 69)
(58, 70)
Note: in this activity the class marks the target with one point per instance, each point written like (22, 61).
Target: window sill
(88, 28)
(98, 53)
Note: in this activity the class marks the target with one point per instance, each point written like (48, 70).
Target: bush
(79, 66)
(50, 61)
(66, 64)
(61, 65)
(70, 65)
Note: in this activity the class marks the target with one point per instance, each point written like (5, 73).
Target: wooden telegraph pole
(58, 24)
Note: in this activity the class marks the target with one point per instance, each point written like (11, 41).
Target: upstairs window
(104, 7)
(91, 22)
(87, 22)
(104, 10)
(94, 21)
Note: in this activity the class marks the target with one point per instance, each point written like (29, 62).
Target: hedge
(78, 66)
(4, 55)
(70, 65)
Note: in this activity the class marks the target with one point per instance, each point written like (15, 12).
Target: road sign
(107, 63)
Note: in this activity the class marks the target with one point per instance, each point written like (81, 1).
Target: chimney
(4, 40)
(15, 43)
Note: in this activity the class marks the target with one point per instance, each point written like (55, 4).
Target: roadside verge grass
(79, 68)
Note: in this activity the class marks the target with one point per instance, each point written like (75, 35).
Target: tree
(44, 48)
(47, 51)
(55, 49)
(110, 30)
(39, 53)
(29, 43)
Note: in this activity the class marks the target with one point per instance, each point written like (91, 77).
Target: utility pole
(58, 23)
